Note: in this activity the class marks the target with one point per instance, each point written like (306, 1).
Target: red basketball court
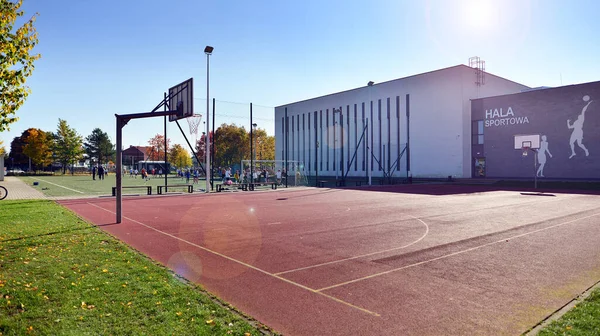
(413, 259)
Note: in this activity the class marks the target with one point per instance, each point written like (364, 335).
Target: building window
(477, 132)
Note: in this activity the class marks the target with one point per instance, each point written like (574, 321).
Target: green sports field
(84, 185)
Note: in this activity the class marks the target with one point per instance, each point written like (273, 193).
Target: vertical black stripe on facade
(335, 140)
(293, 147)
(389, 139)
(309, 145)
(364, 150)
(298, 136)
(355, 137)
(315, 120)
(398, 149)
(283, 137)
(327, 133)
(380, 143)
(408, 135)
(347, 157)
(370, 149)
(321, 140)
(303, 138)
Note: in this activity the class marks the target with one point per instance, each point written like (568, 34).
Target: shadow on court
(444, 189)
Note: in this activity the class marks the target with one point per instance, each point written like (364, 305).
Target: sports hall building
(457, 121)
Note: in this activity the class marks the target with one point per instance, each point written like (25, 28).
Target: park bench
(322, 183)
(148, 188)
(159, 189)
(243, 186)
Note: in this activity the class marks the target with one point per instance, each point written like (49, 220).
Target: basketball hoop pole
(122, 120)
(534, 169)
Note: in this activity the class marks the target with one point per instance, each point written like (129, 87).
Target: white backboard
(528, 139)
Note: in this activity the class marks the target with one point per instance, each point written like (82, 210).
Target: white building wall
(440, 125)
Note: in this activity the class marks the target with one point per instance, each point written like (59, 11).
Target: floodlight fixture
(208, 50)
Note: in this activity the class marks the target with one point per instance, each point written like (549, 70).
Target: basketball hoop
(194, 122)
(525, 150)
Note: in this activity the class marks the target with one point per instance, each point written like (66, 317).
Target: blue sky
(105, 57)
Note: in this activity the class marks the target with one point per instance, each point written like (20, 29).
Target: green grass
(82, 185)
(61, 276)
(583, 319)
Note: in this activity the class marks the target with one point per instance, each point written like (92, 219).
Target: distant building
(135, 154)
(335, 134)
(460, 126)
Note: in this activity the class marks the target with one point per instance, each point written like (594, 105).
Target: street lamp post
(208, 51)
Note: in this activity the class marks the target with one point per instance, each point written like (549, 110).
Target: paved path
(18, 189)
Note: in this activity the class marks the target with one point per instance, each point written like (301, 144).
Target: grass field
(83, 185)
(61, 276)
(583, 319)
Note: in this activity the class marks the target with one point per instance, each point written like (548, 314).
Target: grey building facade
(567, 119)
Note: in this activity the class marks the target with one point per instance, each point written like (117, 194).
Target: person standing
(278, 176)
(100, 172)
(93, 172)
(541, 156)
(196, 176)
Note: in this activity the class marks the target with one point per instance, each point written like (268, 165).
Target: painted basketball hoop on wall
(525, 147)
(526, 142)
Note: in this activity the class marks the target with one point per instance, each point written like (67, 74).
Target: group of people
(133, 173)
(258, 175)
(100, 171)
(189, 173)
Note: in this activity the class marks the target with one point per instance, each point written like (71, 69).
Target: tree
(179, 157)
(2, 149)
(68, 145)
(264, 145)
(231, 145)
(16, 155)
(98, 146)
(156, 152)
(38, 147)
(201, 147)
(16, 60)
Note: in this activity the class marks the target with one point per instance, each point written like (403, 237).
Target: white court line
(274, 223)
(453, 254)
(245, 264)
(58, 185)
(363, 255)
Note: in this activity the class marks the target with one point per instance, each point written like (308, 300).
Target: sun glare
(478, 14)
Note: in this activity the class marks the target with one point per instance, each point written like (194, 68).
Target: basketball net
(194, 122)
(525, 150)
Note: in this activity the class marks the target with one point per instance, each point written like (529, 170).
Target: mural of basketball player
(541, 155)
(577, 127)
